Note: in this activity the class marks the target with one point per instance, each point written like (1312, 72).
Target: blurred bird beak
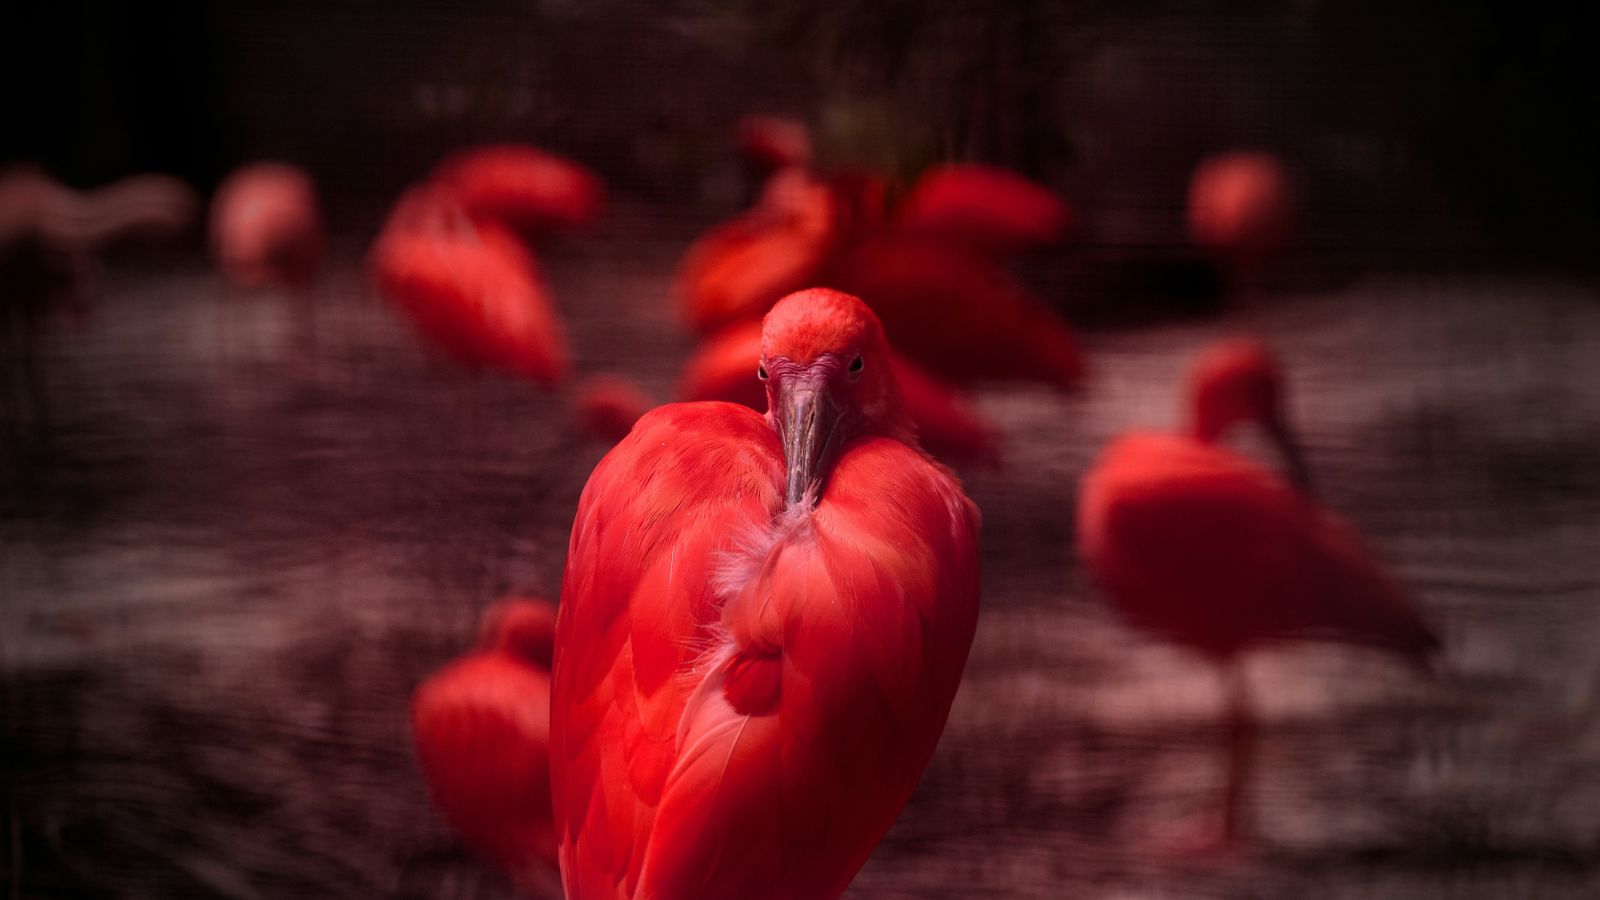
(807, 420)
(1294, 461)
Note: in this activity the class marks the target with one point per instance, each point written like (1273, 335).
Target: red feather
(471, 288)
(1208, 548)
(984, 208)
(482, 727)
(532, 191)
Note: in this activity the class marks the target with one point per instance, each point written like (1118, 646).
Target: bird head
(522, 627)
(825, 362)
(1240, 381)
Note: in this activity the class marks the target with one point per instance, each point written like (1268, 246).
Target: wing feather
(636, 608)
(1206, 545)
(854, 630)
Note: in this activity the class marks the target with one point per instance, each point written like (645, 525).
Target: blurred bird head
(1237, 381)
(1240, 205)
(826, 365)
(522, 627)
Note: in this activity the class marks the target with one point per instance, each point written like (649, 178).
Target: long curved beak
(807, 417)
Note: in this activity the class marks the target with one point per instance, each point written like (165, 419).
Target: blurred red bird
(470, 287)
(771, 143)
(1205, 547)
(1240, 208)
(528, 190)
(984, 208)
(961, 314)
(763, 624)
(482, 731)
(735, 272)
(266, 228)
(607, 406)
(947, 424)
(933, 274)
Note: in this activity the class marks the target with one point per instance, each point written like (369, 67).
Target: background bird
(470, 287)
(763, 623)
(1241, 211)
(536, 193)
(932, 268)
(481, 726)
(1205, 547)
(607, 406)
(984, 207)
(266, 227)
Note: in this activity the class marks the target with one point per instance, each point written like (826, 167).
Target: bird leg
(1241, 733)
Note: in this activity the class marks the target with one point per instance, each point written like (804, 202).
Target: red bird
(482, 731)
(984, 208)
(772, 143)
(1207, 548)
(933, 275)
(265, 227)
(1240, 208)
(739, 269)
(763, 624)
(961, 314)
(947, 423)
(531, 191)
(607, 406)
(470, 287)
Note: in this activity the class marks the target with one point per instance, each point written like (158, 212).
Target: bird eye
(761, 372)
(856, 365)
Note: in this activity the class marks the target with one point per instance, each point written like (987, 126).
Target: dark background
(1412, 125)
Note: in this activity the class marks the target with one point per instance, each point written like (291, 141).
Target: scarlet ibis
(470, 287)
(773, 143)
(984, 207)
(531, 191)
(607, 406)
(266, 227)
(763, 624)
(961, 314)
(482, 732)
(1205, 547)
(739, 269)
(948, 425)
(1240, 208)
(933, 275)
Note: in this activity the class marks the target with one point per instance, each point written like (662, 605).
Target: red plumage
(1206, 547)
(607, 406)
(735, 272)
(534, 192)
(961, 314)
(469, 287)
(481, 727)
(1240, 207)
(747, 688)
(770, 143)
(984, 208)
(266, 227)
(933, 273)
